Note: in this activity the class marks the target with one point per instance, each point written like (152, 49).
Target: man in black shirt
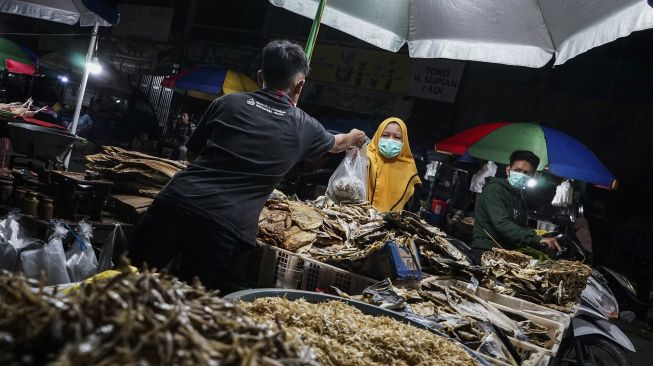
(246, 143)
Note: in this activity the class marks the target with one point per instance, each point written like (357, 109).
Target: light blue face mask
(518, 180)
(390, 148)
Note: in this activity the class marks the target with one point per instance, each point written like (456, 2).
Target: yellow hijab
(391, 182)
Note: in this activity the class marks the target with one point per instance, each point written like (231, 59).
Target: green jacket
(500, 212)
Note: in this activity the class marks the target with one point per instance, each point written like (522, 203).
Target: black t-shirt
(247, 142)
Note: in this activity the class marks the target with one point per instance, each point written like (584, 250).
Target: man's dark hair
(282, 60)
(523, 155)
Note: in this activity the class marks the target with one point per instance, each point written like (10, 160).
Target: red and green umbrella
(16, 59)
(559, 153)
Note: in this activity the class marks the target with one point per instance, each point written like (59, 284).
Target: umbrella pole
(82, 88)
(315, 28)
(31, 83)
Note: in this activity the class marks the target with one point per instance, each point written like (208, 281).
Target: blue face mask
(390, 148)
(518, 180)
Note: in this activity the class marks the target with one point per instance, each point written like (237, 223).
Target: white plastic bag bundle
(349, 182)
(81, 261)
(564, 195)
(478, 179)
(49, 259)
(432, 170)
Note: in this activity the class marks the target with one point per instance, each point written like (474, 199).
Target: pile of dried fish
(134, 172)
(334, 233)
(143, 319)
(17, 109)
(342, 335)
(463, 317)
(556, 284)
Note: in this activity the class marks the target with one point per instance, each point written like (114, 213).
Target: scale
(40, 152)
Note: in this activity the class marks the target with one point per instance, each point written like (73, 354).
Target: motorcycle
(591, 339)
(628, 295)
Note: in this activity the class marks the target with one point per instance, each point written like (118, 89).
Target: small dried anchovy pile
(343, 335)
(143, 319)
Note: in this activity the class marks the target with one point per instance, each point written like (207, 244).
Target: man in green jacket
(500, 216)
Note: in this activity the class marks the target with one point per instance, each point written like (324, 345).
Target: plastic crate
(400, 263)
(268, 267)
(318, 275)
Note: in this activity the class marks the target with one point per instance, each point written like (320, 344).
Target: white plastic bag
(478, 179)
(49, 259)
(116, 239)
(81, 261)
(349, 182)
(564, 195)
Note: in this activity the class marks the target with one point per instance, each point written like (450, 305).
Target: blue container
(394, 261)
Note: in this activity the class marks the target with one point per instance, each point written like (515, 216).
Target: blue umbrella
(559, 153)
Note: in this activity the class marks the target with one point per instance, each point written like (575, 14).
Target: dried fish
(554, 283)
(342, 335)
(345, 233)
(144, 319)
(132, 171)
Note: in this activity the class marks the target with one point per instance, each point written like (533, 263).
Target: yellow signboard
(360, 68)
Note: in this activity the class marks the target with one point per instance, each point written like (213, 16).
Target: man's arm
(344, 140)
(504, 224)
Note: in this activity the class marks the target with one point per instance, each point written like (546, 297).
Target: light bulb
(94, 66)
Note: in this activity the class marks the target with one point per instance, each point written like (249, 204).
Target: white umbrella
(85, 12)
(512, 32)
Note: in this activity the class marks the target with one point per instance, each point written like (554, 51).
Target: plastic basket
(269, 266)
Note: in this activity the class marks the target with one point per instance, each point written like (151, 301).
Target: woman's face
(393, 131)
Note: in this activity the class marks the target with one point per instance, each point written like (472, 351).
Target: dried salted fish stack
(345, 233)
(136, 319)
(342, 335)
(556, 284)
(289, 224)
(132, 171)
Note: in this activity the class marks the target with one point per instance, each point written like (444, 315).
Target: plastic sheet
(383, 295)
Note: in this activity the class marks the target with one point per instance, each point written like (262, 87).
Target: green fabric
(500, 143)
(500, 211)
(10, 50)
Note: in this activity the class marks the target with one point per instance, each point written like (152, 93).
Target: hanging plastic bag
(564, 195)
(81, 261)
(49, 259)
(478, 179)
(8, 257)
(115, 240)
(349, 182)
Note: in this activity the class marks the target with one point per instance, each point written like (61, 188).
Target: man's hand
(344, 140)
(551, 244)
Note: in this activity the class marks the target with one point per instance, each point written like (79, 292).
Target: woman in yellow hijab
(392, 172)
